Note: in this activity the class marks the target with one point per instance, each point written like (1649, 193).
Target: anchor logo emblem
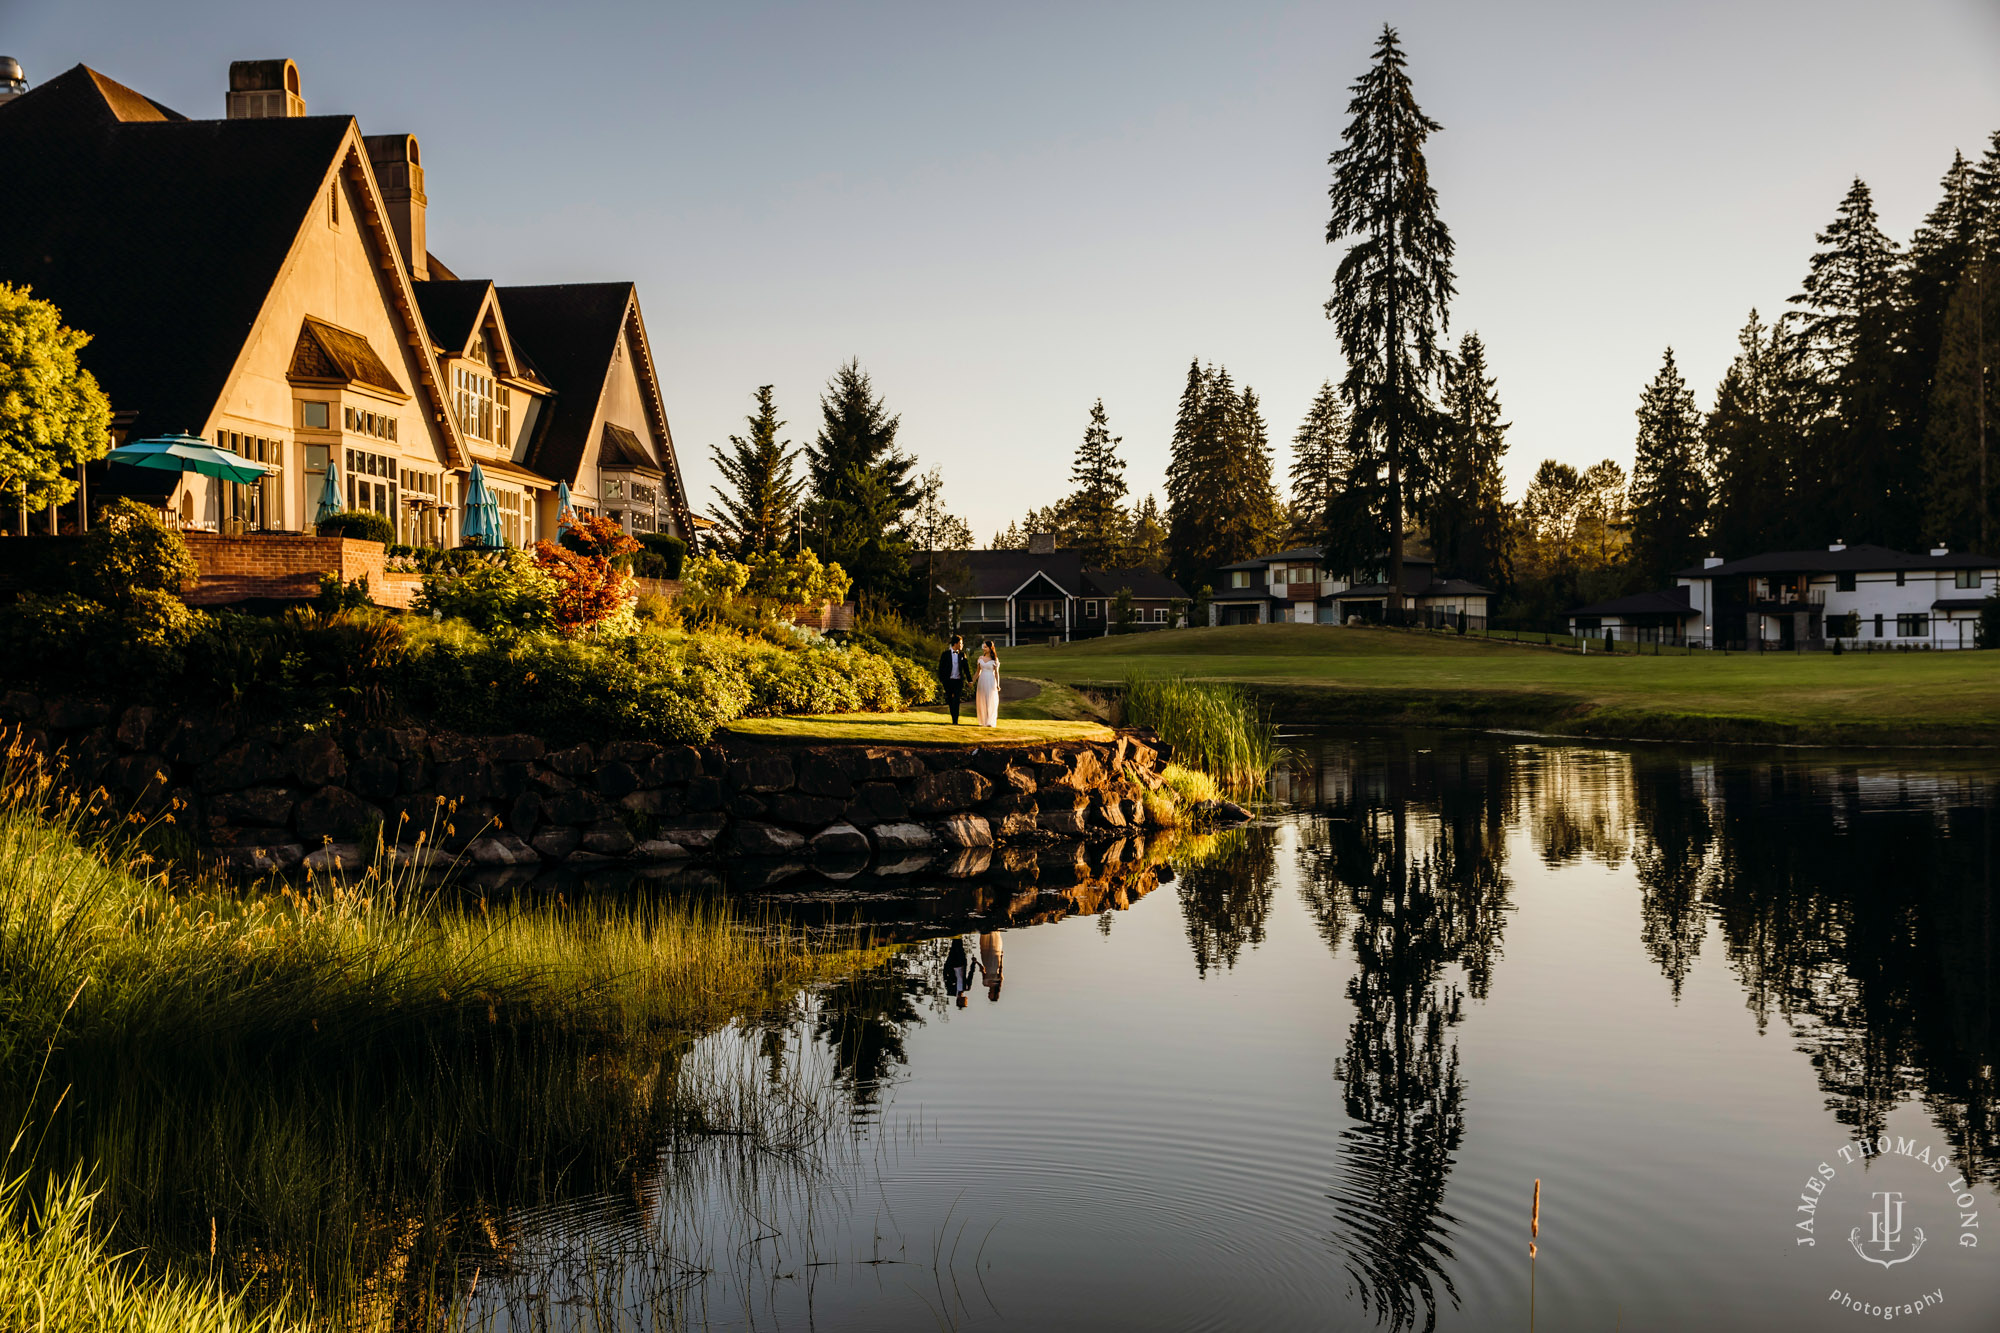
(1885, 1232)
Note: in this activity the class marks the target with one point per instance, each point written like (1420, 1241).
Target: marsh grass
(1213, 727)
(333, 1097)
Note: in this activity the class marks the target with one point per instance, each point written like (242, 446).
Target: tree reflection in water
(1405, 862)
(1225, 894)
(863, 1019)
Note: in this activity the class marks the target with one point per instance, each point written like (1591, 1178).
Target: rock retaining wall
(265, 799)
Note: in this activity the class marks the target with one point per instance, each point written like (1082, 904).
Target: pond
(1318, 1078)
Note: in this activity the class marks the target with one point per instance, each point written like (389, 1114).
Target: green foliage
(1103, 530)
(1216, 728)
(760, 507)
(861, 487)
(127, 550)
(337, 596)
(1669, 494)
(1123, 617)
(1221, 504)
(53, 416)
(1465, 505)
(361, 524)
(662, 556)
(1321, 461)
(495, 592)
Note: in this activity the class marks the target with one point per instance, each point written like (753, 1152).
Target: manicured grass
(1341, 674)
(916, 729)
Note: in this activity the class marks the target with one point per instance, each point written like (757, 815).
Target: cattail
(1535, 1221)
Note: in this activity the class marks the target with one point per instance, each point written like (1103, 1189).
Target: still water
(1313, 1081)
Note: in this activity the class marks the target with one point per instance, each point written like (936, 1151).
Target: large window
(992, 610)
(1240, 578)
(1966, 578)
(257, 504)
(423, 523)
(513, 514)
(1913, 626)
(1044, 610)
(376, 425)
(473, 393)
(372, 483)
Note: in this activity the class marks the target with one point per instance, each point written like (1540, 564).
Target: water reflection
(1225, 892)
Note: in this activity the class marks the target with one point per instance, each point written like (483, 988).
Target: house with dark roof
(1862, 597)
(1295, 587)
(1042, 593)
(263, 281)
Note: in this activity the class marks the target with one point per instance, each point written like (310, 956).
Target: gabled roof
(571, 330)
(80, 94)
(328, 354)
(159, 238)
(451, 310)
(1454, 588)
(1847, 560)
(620, 448)
(1314, 554)
(1641, 604)
(1146, 584)
(999, 573)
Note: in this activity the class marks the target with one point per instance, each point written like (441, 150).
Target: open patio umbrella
(563, 507)
(189, 453)
(482, 513)
(329, 495)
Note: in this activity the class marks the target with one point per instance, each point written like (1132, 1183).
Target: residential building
(1295, 587)
(263, 281)
(1860, 596)
(1031, 596)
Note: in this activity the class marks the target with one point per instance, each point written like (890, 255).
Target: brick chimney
(264, 90)
(1041, 543)
(399, 170)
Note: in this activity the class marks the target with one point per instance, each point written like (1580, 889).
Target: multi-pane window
(1844, 582)
(1914, 626)
(1240, 578)
(256, 504)
(1966, 578)
(360, 421)
(1043, 610)
(423, 523)
(473, 393)
(990, 609)
(513, 514)
(1158, 615)
(1090, 611)
(372, 482)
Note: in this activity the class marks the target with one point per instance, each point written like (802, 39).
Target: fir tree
(1940, 255)
(1959, 477)
(1255, 519)
(1669, 486)
(1393, 285)
(1749, 441)
(1320, 460)
(861, 486)
(1148, 545)
(1191, 467)
(1097, 506)
(760, 507)
(1468, 503)
(1221, 504)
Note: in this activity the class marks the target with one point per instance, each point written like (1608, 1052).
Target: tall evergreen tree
(1221, 504)
(1941, 253)
(1669, 485)
(1191, 466)
(1319, 467)
(1148, 548)
(1850, 469)
(1467, 509)
(1959, 477)
(1256, 519)
(1098, 503)
(1392, 288)
(861, 486)
(1749, 442)
(760, 507)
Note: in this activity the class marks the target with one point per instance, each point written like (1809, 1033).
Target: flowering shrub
(497, 592)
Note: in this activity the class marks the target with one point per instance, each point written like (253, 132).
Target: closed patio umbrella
(482, 512)
(329, 495)
(189, 453)
(563, 507)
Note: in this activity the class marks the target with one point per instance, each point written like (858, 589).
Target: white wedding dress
(986, 695)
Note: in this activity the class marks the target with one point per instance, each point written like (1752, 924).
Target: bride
(986, 696)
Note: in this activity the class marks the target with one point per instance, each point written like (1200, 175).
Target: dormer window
(473, 393)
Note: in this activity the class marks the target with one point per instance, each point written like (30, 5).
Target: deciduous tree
(53, 417)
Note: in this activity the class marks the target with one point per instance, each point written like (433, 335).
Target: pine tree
(1221, 504)
(1669, 485)
(1958, 475)
(1256, 519)
(1940, 255)
(1468, 503)
(861, 487)
(1190, 469)
(758, 510)
(1394, 283)
(1850, 465)
(1749, 449)
(1148, 548)
(1319, 467)
(1097, 506)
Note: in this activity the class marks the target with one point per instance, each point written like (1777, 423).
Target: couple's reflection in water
(961, 970)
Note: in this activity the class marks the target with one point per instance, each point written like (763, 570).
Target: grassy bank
(335, 1100)
(920, 728)
(1329, 674)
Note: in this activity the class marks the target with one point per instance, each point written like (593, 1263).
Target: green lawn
(1339, 674)
(915, 729)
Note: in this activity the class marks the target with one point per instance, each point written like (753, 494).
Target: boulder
(337, 858)
(1019, 780)
(251, 764)
(839, 840)
(615, 777)
(655, 803)
(524, 816)
(969, 863)
(1014, 827)
(19, 706)
(761, 773)
(754, 838)
(949, 791)
(902, 838)
(196, 740)
(575, 806)
(704, 793)
(316, 760)
(965, 831)
(660, 849)
(267, 807)
(1050, 799)
(674, 763)
(1134, 811)
(515, 749)
(141, 772)
(877, 803)
(556, 843)
(697, 832)
(823, 775)
(334, 812)
(73, 714)
(265, 860)
(1228, 812)
(502, 850)
(635, 754)
(375, 778)
(137, 726)
(1068, 823)
(1106, 814)
(608, 838)
(894, 765)
(790, 807)
(745, 806)
(574, 762)
(462, 780)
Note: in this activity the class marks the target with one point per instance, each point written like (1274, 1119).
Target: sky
(1008, 211)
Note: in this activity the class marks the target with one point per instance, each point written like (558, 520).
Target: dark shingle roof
(1454, 588)
(999, 573)
(619, 447)
(158, 237)
(1146, 584)
(1641, 604)
(449, 309)
(1851, 559)
(571, 330)
(329, 353)
(1299, 553)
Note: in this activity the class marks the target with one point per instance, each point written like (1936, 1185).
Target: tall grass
(332, 1094)
(1210, 726)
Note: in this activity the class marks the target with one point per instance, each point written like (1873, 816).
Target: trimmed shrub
(361, 524)
(129, 550)
(497, 592)
(662, 556)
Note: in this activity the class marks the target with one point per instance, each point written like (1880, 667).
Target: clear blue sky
(1007, 211)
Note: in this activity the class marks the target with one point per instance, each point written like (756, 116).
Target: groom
(951, 674)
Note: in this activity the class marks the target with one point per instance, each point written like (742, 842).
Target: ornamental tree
(53, 416)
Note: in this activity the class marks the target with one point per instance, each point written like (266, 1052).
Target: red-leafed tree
(592, 583)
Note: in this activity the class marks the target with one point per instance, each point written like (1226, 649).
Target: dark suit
(952, 683)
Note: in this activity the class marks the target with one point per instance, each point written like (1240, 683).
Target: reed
(1213, 727)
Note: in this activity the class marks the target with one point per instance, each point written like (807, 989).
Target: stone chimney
(12, 81)
(264, 90)
(1041, 543)
(399, 171)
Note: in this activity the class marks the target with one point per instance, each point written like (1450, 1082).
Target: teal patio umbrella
(563, 507)
(189, 453)
(329, 494)
(481, 525)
